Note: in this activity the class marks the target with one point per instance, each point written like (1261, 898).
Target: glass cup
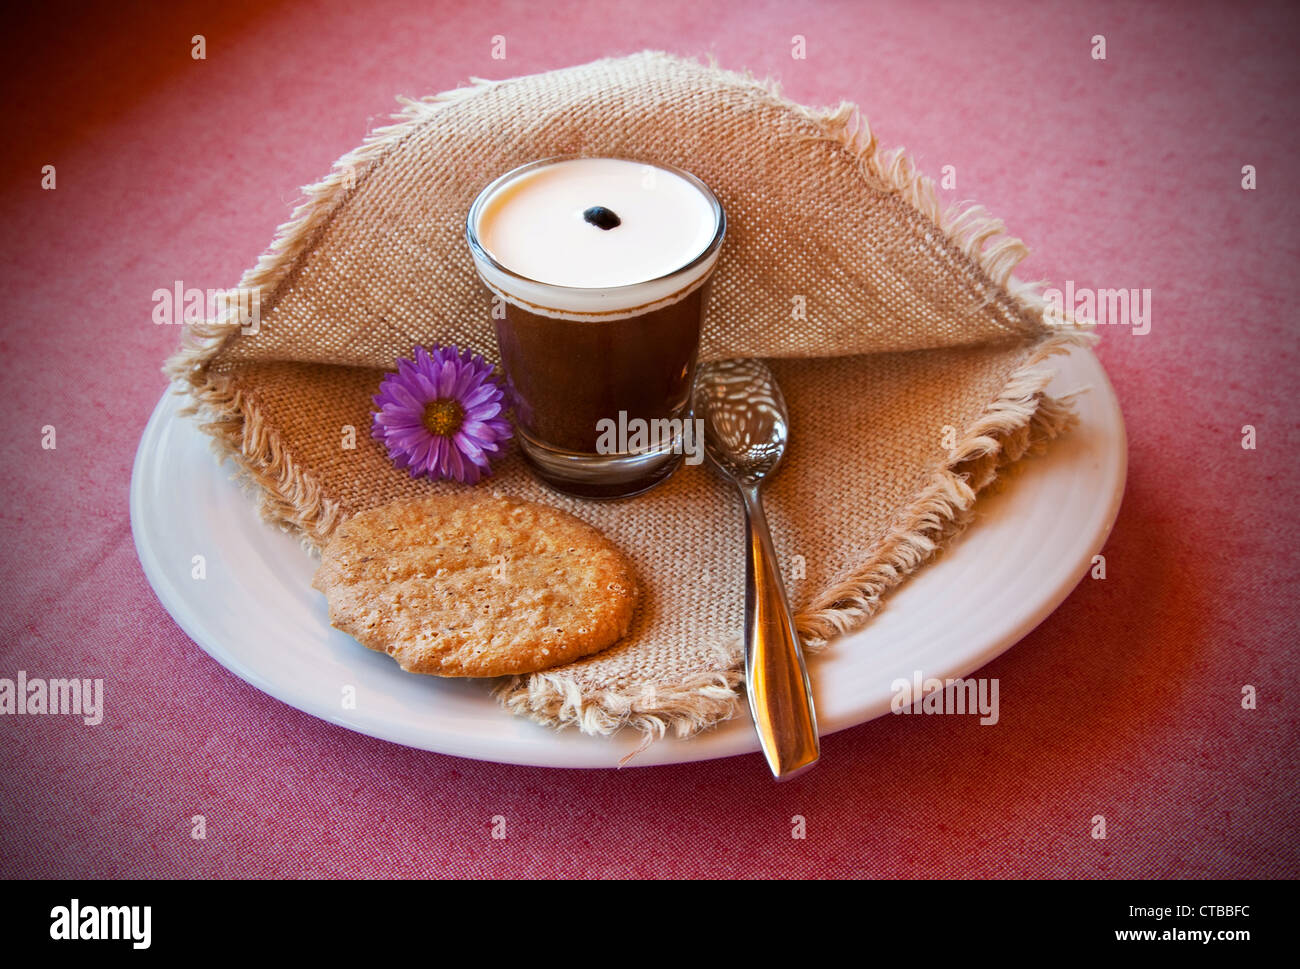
(601, 371)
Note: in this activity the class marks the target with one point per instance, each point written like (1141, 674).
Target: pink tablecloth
(1123, 172)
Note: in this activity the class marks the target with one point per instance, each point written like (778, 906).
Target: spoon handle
(780, 697)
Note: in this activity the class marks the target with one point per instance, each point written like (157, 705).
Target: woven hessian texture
(896, 329)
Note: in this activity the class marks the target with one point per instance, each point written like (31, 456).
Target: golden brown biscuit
(466, 585)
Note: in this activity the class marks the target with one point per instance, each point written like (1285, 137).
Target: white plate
(257, 615)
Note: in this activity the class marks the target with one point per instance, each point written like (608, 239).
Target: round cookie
(465, 585)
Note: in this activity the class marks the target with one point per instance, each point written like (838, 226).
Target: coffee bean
(601, 217)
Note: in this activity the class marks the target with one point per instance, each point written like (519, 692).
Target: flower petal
(483, 412)
(422, 451)
(456, 464)
(407, 398)
(467, 379)
(439, 462)
(445, 378)
(480, 395)
(470, 449)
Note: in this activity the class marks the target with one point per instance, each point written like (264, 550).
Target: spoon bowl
(744, 414)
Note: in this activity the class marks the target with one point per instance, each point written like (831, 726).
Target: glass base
(600, 476)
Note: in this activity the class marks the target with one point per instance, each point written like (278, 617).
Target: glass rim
(480, 251)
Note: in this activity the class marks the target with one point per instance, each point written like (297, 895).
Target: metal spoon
(745, 431)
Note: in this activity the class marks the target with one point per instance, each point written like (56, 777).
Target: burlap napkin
(913, 369)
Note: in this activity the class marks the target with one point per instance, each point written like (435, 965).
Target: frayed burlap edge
(1019, 419)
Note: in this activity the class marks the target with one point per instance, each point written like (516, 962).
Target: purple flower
(441, 414)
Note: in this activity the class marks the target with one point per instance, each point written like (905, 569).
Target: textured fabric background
(1123, 172)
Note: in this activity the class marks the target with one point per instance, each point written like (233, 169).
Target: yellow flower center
(443, 417)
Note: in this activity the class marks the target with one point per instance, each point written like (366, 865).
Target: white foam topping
(535, 224)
